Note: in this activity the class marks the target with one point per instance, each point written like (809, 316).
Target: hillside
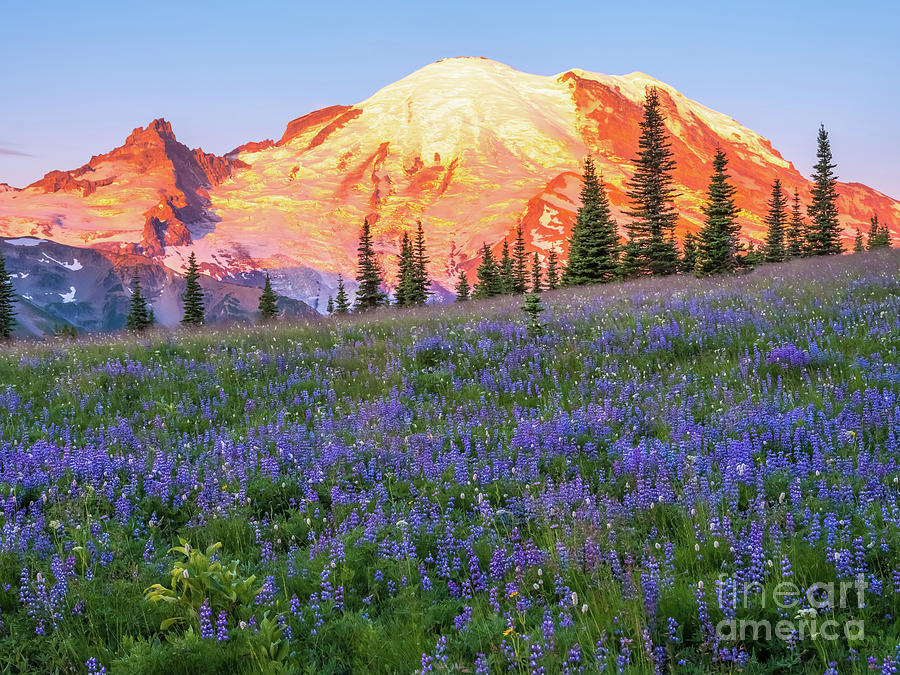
(437, 489)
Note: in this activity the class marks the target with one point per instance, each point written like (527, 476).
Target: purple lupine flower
(206, 627)
(95, 667)
(222, 627)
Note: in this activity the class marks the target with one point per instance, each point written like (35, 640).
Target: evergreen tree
(421, 282)
(7, 298)
(594, 244)
(193, 294)
(406, 273)
(752, 257)
(519, 262)
(824, 230)
(879, 235)
(268, 302)
(651, 247)
(151, 318)
(717, 243)
(329, 308)
(489, 281)
(796, 232)
(462, 288)
(369, 294)
(776, 220)
(552, 269)
(537, 282)
(507, 281)
(858, 244)
(533, 309)
(138, 312)
(342, 302)
(688, 262)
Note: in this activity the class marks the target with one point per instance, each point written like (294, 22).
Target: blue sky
(78, 77)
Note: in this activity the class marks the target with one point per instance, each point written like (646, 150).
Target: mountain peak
(158, 129)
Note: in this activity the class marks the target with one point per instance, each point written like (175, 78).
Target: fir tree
(406, 273)
(329, 308)
(824, 230)
(7, 298)
(138, 312)
(462, 288)
(552, 269)
(193, 294)
(369, 294)
(507, 282)
(594, 244)
(796, 232)
(421, 282)
(858, 244)
(688, 262)
(752, 257)
(651, 247)
(776, 220)
(717, 243)
(519, 262)
(533, 309)
(489, 281)
(342, 302)
(537, 282)
(151, 318)
(879, 235)
(268, 302)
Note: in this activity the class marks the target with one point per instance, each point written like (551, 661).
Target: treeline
(596, 252)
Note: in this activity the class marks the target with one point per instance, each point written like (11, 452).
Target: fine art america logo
(806, 613)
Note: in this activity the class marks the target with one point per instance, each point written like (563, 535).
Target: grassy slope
(644, 444)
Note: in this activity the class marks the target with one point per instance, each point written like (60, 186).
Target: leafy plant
(198, 576)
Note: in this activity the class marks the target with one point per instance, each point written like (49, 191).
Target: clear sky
(76, 78)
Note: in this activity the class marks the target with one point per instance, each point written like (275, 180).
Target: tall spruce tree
(859, 244)
(651, 246)
(489, 281)
(796, 231)
(688, 262)
(406, 273)
(519, 262)
(368, 273)
(462, 288)
(507, 280)
(537, 281)
(341, 301)
(421, 280)
(717, 244)
(7, 298)
(879, 234)
(824, 230)
(594, 244)
(776, 222)
(193, 294)
(552, 269)
(138, 313)
(268, 302)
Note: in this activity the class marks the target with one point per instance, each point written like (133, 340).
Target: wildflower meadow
(670, 475)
